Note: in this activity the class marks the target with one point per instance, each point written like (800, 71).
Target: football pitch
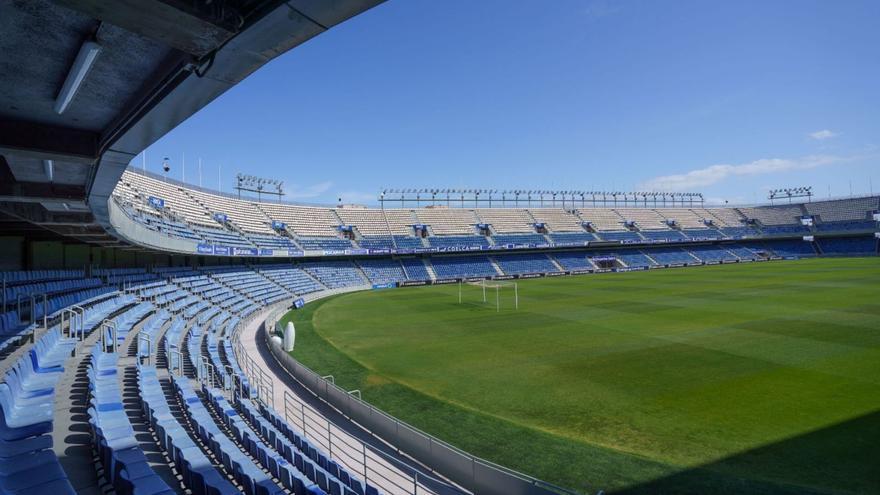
(746, 378)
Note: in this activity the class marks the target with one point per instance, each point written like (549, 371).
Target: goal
(502, 289)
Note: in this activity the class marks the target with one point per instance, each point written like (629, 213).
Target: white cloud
(309, 192)
(714, 174)
(823, 135)
(598, 9)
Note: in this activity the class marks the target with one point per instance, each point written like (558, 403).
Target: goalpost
(498, 285)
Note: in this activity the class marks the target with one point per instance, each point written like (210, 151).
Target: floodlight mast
(791, 192)
(258, 185)
(478, 197)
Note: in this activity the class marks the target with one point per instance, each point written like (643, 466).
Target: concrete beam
(171, 25)
(45, 142)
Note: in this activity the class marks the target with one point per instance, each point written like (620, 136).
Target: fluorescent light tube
(88, 52)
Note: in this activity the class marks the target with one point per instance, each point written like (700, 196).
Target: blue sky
(725, 98)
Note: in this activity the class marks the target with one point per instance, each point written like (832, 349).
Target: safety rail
(390, 473)
(109, 328)
(466, 470)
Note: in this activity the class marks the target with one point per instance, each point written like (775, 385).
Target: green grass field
(749, 378)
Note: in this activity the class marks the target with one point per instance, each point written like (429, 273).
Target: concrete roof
(161, 61)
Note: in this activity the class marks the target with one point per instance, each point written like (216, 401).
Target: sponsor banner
(240, 251)
(276, 225)
(581, 271)
(358, 252)
(408, 283)
(809, 238)
(383, 251)
(604, 258)
(157, 203)
(389, 285)
(570, 244)
(221, 250)
(675, 265)
(447, 281)
(459, 249)
(714, 262)
(476, 279)
(630, 269)
(601, 270)
(334, 252)
(265, 252)
(205, 249)
(555, 274)
(502, 277)
(425, 250)
(298, 303)
(295, 252)
(531, 275)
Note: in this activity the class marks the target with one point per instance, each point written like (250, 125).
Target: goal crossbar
(491, 284)
(497, 285)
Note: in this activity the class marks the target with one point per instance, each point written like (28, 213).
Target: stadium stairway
(430, 269)
(496, 266)
(70, 435)
(556, 263)
(132, 405)
(648, 255)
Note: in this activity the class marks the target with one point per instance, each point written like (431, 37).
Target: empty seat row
(199, 474)
(246, 473)
(124, 462)
(27, 463)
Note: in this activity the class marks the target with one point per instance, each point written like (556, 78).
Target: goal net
(497, 293)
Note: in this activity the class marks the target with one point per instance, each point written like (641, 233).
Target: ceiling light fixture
(88, 52)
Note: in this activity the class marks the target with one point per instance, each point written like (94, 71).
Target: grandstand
(138, 318)
(507, 220)
(182, 319)
(350, 230)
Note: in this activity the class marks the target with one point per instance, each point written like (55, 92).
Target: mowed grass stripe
(612, 381)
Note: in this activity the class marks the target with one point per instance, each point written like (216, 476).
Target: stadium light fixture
(84, 61)
(49, 169)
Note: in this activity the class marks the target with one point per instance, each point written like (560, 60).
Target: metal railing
(390, 474)
(473, 473)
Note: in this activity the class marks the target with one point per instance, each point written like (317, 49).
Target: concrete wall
(12, 253)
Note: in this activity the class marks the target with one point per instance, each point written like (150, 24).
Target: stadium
(159, 337)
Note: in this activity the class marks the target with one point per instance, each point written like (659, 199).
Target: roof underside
(160, 62)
